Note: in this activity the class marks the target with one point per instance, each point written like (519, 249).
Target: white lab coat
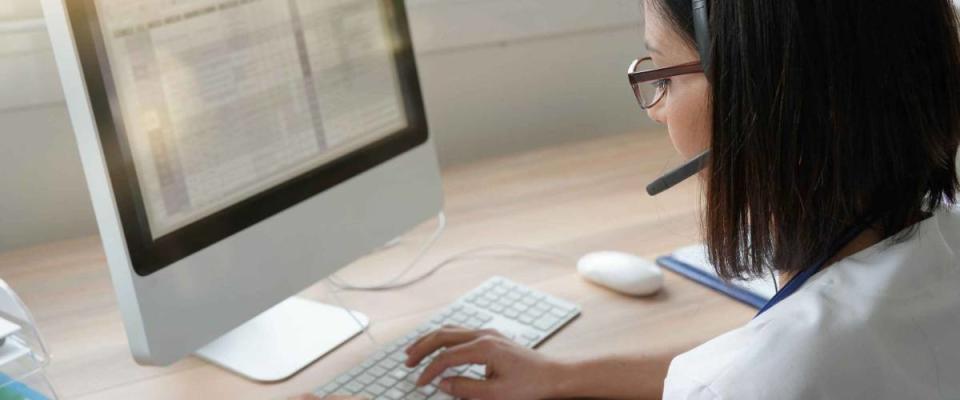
(883, 323)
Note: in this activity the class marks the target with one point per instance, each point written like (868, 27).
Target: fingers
(466, 388)
(475, 352)
(447, 336)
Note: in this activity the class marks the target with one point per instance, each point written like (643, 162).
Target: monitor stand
(283, 340)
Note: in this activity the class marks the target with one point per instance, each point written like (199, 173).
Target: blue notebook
(691, 262)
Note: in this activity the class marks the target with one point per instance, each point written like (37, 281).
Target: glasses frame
(637, 77)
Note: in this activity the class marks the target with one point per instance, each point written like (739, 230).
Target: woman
(833, 127)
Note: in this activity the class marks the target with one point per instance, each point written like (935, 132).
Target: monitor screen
(224, 99)
(216, 114)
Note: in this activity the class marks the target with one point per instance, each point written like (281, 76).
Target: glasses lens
(648, 93)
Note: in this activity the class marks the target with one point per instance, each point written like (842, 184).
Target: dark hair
(826, 114)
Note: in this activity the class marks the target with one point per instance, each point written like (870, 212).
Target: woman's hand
(513, 372)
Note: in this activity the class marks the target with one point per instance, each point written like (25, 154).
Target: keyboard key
(366, 378)
(377, 389)
(559, 312)
(394, 394)
(560, 305)
(387, 381)
(441, 396)
(477, 371)
(530, 336)
(330, 387)
(427, 390)
(398, 374)
(535, 312)
(474, 323)
(546, 322)
(389, 364)
(377, 371)
(475, 375)
(542, 307)
(353, 387)
(416, 396)
(405, 386)
(342, 379)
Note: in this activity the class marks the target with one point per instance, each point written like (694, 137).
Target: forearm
(615, 377)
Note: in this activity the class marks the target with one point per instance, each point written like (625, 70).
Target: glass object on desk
(23, 354)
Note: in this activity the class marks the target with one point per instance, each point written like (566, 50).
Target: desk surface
(571, 199)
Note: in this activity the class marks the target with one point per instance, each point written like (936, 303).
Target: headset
(701, 26)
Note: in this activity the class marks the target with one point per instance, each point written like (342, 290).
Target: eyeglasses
(650, 84)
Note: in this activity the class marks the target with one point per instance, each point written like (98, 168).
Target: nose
(656, 113)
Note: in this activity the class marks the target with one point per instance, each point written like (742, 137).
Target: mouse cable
(365, 328)
(490, 251)
(441, 225)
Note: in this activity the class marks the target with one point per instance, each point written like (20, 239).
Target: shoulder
(879, 317)
(751, 361)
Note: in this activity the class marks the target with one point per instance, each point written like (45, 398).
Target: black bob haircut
(827, 114)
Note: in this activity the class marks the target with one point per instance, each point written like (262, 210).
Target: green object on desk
(15, 390)
(10, 394)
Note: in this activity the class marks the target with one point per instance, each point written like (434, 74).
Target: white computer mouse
(622, 272)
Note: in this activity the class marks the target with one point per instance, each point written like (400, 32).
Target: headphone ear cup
(701, 26)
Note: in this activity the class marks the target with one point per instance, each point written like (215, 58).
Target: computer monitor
(237, 152)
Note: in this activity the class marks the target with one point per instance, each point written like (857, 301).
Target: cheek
(688, 119)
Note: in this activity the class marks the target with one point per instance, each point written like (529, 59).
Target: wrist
(566, 380)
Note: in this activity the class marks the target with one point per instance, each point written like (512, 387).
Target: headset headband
(701, 26)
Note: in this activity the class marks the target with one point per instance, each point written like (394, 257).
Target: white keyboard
(522, 314)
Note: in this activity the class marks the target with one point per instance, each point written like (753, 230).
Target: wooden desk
(571, 199)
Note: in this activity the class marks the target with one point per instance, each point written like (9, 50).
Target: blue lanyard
(797, 281)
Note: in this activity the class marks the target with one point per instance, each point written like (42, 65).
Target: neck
(867, 238)
(864, 240)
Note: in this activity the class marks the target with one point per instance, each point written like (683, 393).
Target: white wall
(498, 76)
(42, 192)
(507, 75)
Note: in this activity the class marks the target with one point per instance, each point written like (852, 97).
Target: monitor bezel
(148, 254)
